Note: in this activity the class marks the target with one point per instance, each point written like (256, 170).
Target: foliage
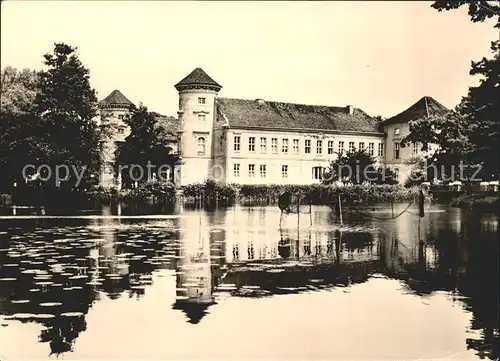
(210, 191)
(327, 194)
(483, 201)
(469, 135)
(478, 10)
(67, 106)
(418, 173)
(358, 167)
(156, 191)
(145, 145)
(18, 90)
(49, 118)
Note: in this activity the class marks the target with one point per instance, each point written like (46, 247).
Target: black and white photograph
(249, 180)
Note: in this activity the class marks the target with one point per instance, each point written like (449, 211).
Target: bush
(155, 192)
(327, 194)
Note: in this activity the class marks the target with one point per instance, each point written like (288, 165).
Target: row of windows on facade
(307, 146)
(201, 101)
(317, 172)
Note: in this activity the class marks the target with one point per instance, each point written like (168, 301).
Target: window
(251, 170)
(319, 147)
(396, 131)
(263, 171)
(317, 173)
(296, 146)
(380, 149)
(237, 143)
(263, 144)
(274, 145)
(371, 149)
(202, 100)
(201, 146)
(341, 147)
(396, 150)
(415, 148)
(396, 172)
(121, 131)
(307, 146)
(201, 117)
(361, 145)
(236, 170)
(284, 171)
(180, 103)
(120, 116)
(251, 144)
(284, 146)
(330, 146)
(351, 147)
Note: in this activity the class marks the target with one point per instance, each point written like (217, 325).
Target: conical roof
(198, 77)
(424, 107)
(116, 98)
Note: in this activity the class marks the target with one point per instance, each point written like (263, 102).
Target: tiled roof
(116, 98)
(170, 124)
(267, 114)
(424, 107)
(198, 77)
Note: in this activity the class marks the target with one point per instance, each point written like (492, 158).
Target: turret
(197, 94)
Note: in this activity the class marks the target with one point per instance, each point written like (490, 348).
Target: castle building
(257, 141)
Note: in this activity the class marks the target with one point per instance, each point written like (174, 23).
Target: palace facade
(267, 142)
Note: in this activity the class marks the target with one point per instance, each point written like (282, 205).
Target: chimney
(350, 109)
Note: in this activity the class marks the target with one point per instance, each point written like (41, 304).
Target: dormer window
(202, 100)
(396, 131)
(202, 117)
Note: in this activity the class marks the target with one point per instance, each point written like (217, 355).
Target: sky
(378, 56)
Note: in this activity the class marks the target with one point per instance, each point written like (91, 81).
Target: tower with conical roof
(113, 109)
(197, 114)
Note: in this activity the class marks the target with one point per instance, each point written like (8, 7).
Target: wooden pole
(340, 211)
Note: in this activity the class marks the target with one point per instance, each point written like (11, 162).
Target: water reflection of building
(194, 275)
(254, 234)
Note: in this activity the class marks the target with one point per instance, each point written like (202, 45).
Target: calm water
(231, 285)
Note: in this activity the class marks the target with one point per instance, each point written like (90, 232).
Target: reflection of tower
(193, 268)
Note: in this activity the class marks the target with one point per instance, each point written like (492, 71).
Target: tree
(478, 10)
(18, 90)
(18, 123)
(145, 145)
(67, 106)
(469, 136)
(358, 167)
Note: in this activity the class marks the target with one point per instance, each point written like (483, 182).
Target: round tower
(197, 94)
(113, 109)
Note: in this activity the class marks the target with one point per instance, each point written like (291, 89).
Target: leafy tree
(358, 167)
(145, 145)
(18, 90)
(478, 10)
(469, 136)
(18, 123)
(68, 106)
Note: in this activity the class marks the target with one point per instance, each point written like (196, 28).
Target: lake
(232, 284)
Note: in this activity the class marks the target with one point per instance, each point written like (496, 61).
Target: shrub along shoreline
(212, 194)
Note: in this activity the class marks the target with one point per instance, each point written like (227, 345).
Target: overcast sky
(378, 56)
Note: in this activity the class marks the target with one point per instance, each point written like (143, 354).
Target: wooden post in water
(340, 211)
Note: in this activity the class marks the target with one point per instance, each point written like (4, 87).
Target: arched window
(201, 146)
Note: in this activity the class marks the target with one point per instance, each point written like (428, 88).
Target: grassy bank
(478, 201)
